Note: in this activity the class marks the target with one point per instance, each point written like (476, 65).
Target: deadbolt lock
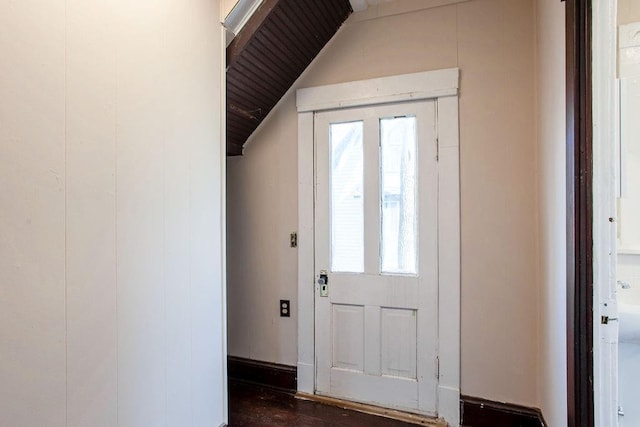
(323, 281)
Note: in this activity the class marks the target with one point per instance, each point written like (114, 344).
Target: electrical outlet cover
(285, 308)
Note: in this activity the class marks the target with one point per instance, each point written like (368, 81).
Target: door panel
(376, 239)
(347, 335)
(398, 342)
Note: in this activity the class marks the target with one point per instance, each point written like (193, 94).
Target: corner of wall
(551, 171)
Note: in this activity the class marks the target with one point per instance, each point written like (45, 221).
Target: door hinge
(438, 367)
(436, 132)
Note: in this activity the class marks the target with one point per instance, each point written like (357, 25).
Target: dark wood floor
(251, 405)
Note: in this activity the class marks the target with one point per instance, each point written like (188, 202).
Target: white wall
(629, 204)
(111, 293)
(628, 11)
(629, 224)
(226, 6)
(551, 153)
(629, 271)
(492, 41)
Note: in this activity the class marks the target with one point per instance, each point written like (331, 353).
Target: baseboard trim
(282, 377)
(477, 412)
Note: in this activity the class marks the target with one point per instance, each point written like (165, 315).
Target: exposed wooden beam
(252, 26)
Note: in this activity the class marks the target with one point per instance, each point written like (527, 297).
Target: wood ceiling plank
(273, 49)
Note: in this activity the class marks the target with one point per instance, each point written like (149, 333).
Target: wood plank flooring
(256, 406)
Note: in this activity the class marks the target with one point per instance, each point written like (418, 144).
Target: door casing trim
(579, 138)
(442, 86)
(606, 134)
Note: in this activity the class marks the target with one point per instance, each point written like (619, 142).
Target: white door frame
(605, 138)
(441, 85)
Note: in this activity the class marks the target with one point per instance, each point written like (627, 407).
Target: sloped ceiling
(271, 51)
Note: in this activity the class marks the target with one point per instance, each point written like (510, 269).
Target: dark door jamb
(579, 215)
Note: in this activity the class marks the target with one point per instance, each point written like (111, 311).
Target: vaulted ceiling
(271, 51)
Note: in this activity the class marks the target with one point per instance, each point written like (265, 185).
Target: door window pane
(347, 211)
(399, 228)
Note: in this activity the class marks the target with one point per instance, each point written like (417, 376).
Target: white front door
(376, 255)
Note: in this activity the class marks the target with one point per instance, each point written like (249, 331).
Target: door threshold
(393, 414)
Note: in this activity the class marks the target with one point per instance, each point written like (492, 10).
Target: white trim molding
(442, 86)
(605, 137)
(223, 222)
(240, 14)
(405, 87)
(238, 17)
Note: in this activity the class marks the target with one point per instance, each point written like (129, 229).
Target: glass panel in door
(347, 211)
(398, 205)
